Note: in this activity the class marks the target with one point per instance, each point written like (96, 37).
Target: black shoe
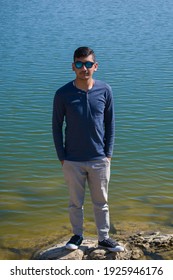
(74, 242)
(111, 245)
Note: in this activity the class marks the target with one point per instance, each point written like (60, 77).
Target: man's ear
(96, 66)
(73, 67)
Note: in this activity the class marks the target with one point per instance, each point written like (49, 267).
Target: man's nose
(84, 67)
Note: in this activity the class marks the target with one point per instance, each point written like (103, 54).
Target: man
(85, 145)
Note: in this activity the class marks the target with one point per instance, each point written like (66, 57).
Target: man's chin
(85, 76)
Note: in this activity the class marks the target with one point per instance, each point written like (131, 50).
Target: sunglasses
(80, 64)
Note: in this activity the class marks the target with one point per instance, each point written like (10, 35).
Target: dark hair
(83, 52)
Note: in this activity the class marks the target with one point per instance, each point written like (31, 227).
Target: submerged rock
(137, 247)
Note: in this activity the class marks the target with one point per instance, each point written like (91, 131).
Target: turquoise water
(133, 42)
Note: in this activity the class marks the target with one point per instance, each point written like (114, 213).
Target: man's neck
(84, 85)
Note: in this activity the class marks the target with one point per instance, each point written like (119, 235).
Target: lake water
(133, 41)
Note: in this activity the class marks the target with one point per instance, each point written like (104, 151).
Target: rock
(137, 247)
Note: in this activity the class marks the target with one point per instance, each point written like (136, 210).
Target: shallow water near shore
(133, 43)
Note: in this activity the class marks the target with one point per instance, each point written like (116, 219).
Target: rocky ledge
(140, 246)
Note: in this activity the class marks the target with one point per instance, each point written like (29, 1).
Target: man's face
(84, 72)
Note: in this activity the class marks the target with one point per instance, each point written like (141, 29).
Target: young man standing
(85, 146)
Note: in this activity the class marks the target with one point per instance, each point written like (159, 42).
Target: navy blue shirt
(83, 122)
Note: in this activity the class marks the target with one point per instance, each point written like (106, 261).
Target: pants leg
(75, 177)
(98, 179)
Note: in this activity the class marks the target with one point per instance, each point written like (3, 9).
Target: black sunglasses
(80, 64)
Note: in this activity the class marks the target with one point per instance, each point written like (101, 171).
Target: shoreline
(26, 248)
(140, 246)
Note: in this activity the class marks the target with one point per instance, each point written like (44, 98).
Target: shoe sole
(71, 246)
(115, 249)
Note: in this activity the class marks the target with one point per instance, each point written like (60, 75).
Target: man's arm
(57, 125)
(109, 119)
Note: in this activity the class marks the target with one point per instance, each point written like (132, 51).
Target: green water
(133, 43)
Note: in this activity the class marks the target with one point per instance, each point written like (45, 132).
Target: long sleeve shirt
(83, 123)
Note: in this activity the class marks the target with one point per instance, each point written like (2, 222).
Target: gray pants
(97, 175)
